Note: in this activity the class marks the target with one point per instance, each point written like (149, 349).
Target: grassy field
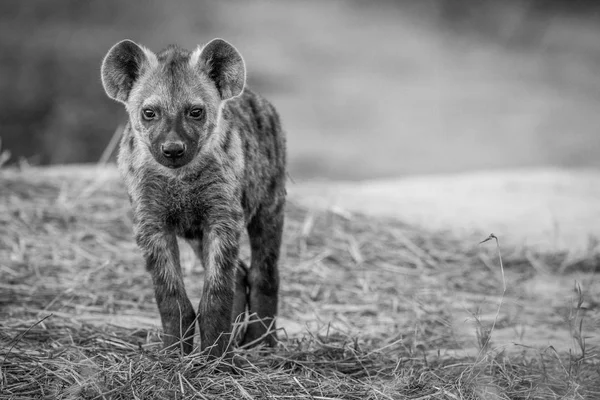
(370, 309)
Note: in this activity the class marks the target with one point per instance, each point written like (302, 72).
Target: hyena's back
(263, 144)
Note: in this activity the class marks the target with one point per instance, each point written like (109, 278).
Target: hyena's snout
(173, 149)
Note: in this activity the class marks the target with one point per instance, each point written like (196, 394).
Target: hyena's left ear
(224, 65)
(122, 66)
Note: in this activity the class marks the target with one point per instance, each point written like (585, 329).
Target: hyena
(202, 157)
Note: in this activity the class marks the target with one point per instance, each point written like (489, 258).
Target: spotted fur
(230, 177)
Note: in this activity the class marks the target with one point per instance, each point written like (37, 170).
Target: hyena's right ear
(122, 66)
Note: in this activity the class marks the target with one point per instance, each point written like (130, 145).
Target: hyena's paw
(172, 344)
(179, 328)
(260, 332)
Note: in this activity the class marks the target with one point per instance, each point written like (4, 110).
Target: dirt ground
(549, 208)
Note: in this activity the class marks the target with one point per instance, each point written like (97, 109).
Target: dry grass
(377, 300)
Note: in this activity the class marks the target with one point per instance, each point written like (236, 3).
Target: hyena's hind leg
(265, 231)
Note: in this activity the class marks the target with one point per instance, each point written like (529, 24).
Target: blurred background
(366, 89)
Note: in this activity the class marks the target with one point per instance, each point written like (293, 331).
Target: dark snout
(173, 149)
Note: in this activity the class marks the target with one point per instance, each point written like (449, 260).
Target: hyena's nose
(173, 149)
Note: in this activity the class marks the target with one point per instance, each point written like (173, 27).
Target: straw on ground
(370, 309)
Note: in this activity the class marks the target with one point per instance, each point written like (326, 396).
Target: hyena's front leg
(240, 298)
(220, 254)
(176, 312)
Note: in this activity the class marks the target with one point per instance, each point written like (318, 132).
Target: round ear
(122, 66)
(224, 65)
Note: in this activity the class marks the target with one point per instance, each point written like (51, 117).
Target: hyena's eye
(148, 114)
(196, 113)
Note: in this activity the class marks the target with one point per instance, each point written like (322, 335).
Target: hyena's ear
(224, 65)
(122, 66)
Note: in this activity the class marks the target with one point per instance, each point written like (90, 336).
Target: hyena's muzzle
(173, 149)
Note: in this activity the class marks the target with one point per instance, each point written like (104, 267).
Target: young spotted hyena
(202, 158)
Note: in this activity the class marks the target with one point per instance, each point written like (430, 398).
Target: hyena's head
(173, 98)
